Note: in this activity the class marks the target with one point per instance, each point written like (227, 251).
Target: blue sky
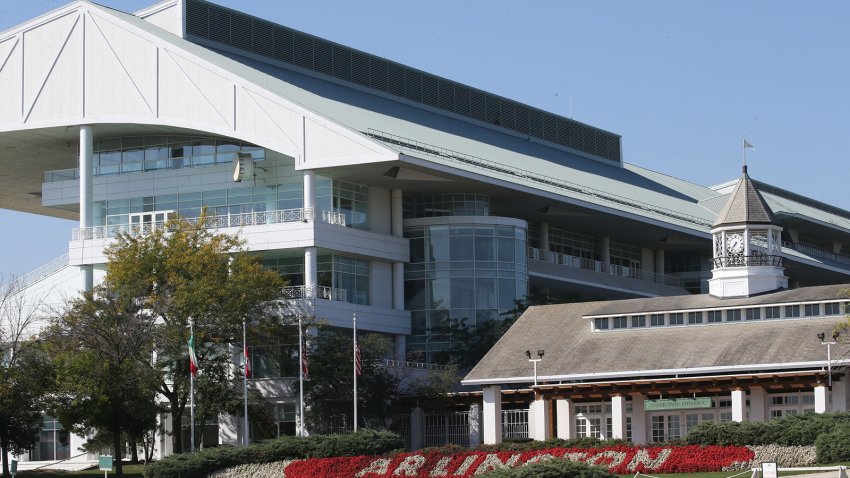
(680, 81)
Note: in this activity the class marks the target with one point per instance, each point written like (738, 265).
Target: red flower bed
(618, 459)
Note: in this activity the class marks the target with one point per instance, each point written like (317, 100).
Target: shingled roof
(573, 351)
(745, 206)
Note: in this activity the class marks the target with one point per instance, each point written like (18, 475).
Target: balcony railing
(819, 252)
(215, 222)
(599, 266)
(37, 275)
(317, 292)
(752, 260)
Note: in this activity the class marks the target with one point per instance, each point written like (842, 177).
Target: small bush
(551, 469)
(793, 430)
(834, 447)
(201, 463)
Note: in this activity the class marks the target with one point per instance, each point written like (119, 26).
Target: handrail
(315, 292)
(817, 252)
(414, 365)
(599, 266)
(501, 168)
(214, 222)
(751, 260)
(38, 274)
(59, 461)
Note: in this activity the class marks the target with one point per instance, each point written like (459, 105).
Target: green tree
(186, 271)
(330, 389)
(25, 374)
(102, 347)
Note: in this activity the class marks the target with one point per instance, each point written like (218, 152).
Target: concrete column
(647, 259)
(539, 419)
(86, 195)
(659, 261)
(311, 268)
(639, 435)
(309, 188)
(739, 406)
(618, 417)
(821, 406)
(794, 234)
(837, 246)
(758, 404)
(474, 424)
(417, 428)
(544, 236)
(401, 347)
(396, 212)
(605, 253)
(229, 430)
(398, 285)
(566, 419)
(492, 412)
(840, 393)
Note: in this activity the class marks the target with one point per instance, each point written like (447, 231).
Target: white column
(739, 406)
(539, 419)
(309, 188)
(492, 412)
(639, 435)
(544, 237)
(839, 393)
(820, 399)
(474, 424)
(647, 259)
(417, 428)
(758, 402)
(311, 268)
(398, 285)
(618, 417)
(565, 423)
(401, 347)
(659, 261)
(229, 429)
(86, 194)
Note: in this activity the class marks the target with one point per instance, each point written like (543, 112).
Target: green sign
(677, 403)
(104, 463)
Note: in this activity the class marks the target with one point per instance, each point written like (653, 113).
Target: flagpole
(300, 380)
(192, 394)
(245, 439)
(354, 321)
(744, 147)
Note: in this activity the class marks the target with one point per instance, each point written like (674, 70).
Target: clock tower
(747, 246)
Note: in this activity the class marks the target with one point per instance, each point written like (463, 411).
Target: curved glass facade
(471, 271)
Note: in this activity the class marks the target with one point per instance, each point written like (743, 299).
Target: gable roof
(745, 206)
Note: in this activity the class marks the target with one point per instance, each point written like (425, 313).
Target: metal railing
(599, 266)
(818, 252)
(412, 365)
(440, 152)
(214, 222)
(514, 423)
(37, 275)
(751, 260)
(446, 428)
(315, 292)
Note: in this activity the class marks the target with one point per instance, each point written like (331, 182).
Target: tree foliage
(25, 374)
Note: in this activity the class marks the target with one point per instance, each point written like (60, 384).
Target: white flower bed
(253, 470)
(784, 456)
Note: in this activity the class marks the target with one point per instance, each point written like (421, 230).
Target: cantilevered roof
(573, 351)
(745, 206)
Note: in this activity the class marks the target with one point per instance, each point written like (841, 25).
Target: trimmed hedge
(834, 447)
(201, 463)
(793, 430)
(551, 469)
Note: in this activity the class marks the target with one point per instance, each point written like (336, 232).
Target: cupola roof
(745, 205)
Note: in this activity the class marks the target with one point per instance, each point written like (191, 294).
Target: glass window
(620, 322)
(792, 311)
(772, 312)
(812, 310)
(695, 317)
(832, 308)
(677, 318)
(714, 316)
(656, 320)
(601, 323)
(733, 315)
(639, 321)
(753, 314)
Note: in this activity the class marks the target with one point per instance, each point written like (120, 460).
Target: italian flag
(193, 359)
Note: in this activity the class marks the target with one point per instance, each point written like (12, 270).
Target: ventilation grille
(247, 33)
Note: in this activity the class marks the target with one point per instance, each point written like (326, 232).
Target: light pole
(822, 338)
(534, 361)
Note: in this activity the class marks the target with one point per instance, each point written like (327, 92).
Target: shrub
(793, 430)
(834, 447)
(550, 469)
(201, 463)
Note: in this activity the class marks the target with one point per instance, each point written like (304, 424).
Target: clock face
(735, 243)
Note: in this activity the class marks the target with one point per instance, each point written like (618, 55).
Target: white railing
(818, 252)
(599, 266)
(35, 276)
(412, 365)
(214, 222)
(317, 292)
(446, 428)
(514, 423)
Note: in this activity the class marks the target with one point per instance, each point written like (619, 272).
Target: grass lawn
(130, 471)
